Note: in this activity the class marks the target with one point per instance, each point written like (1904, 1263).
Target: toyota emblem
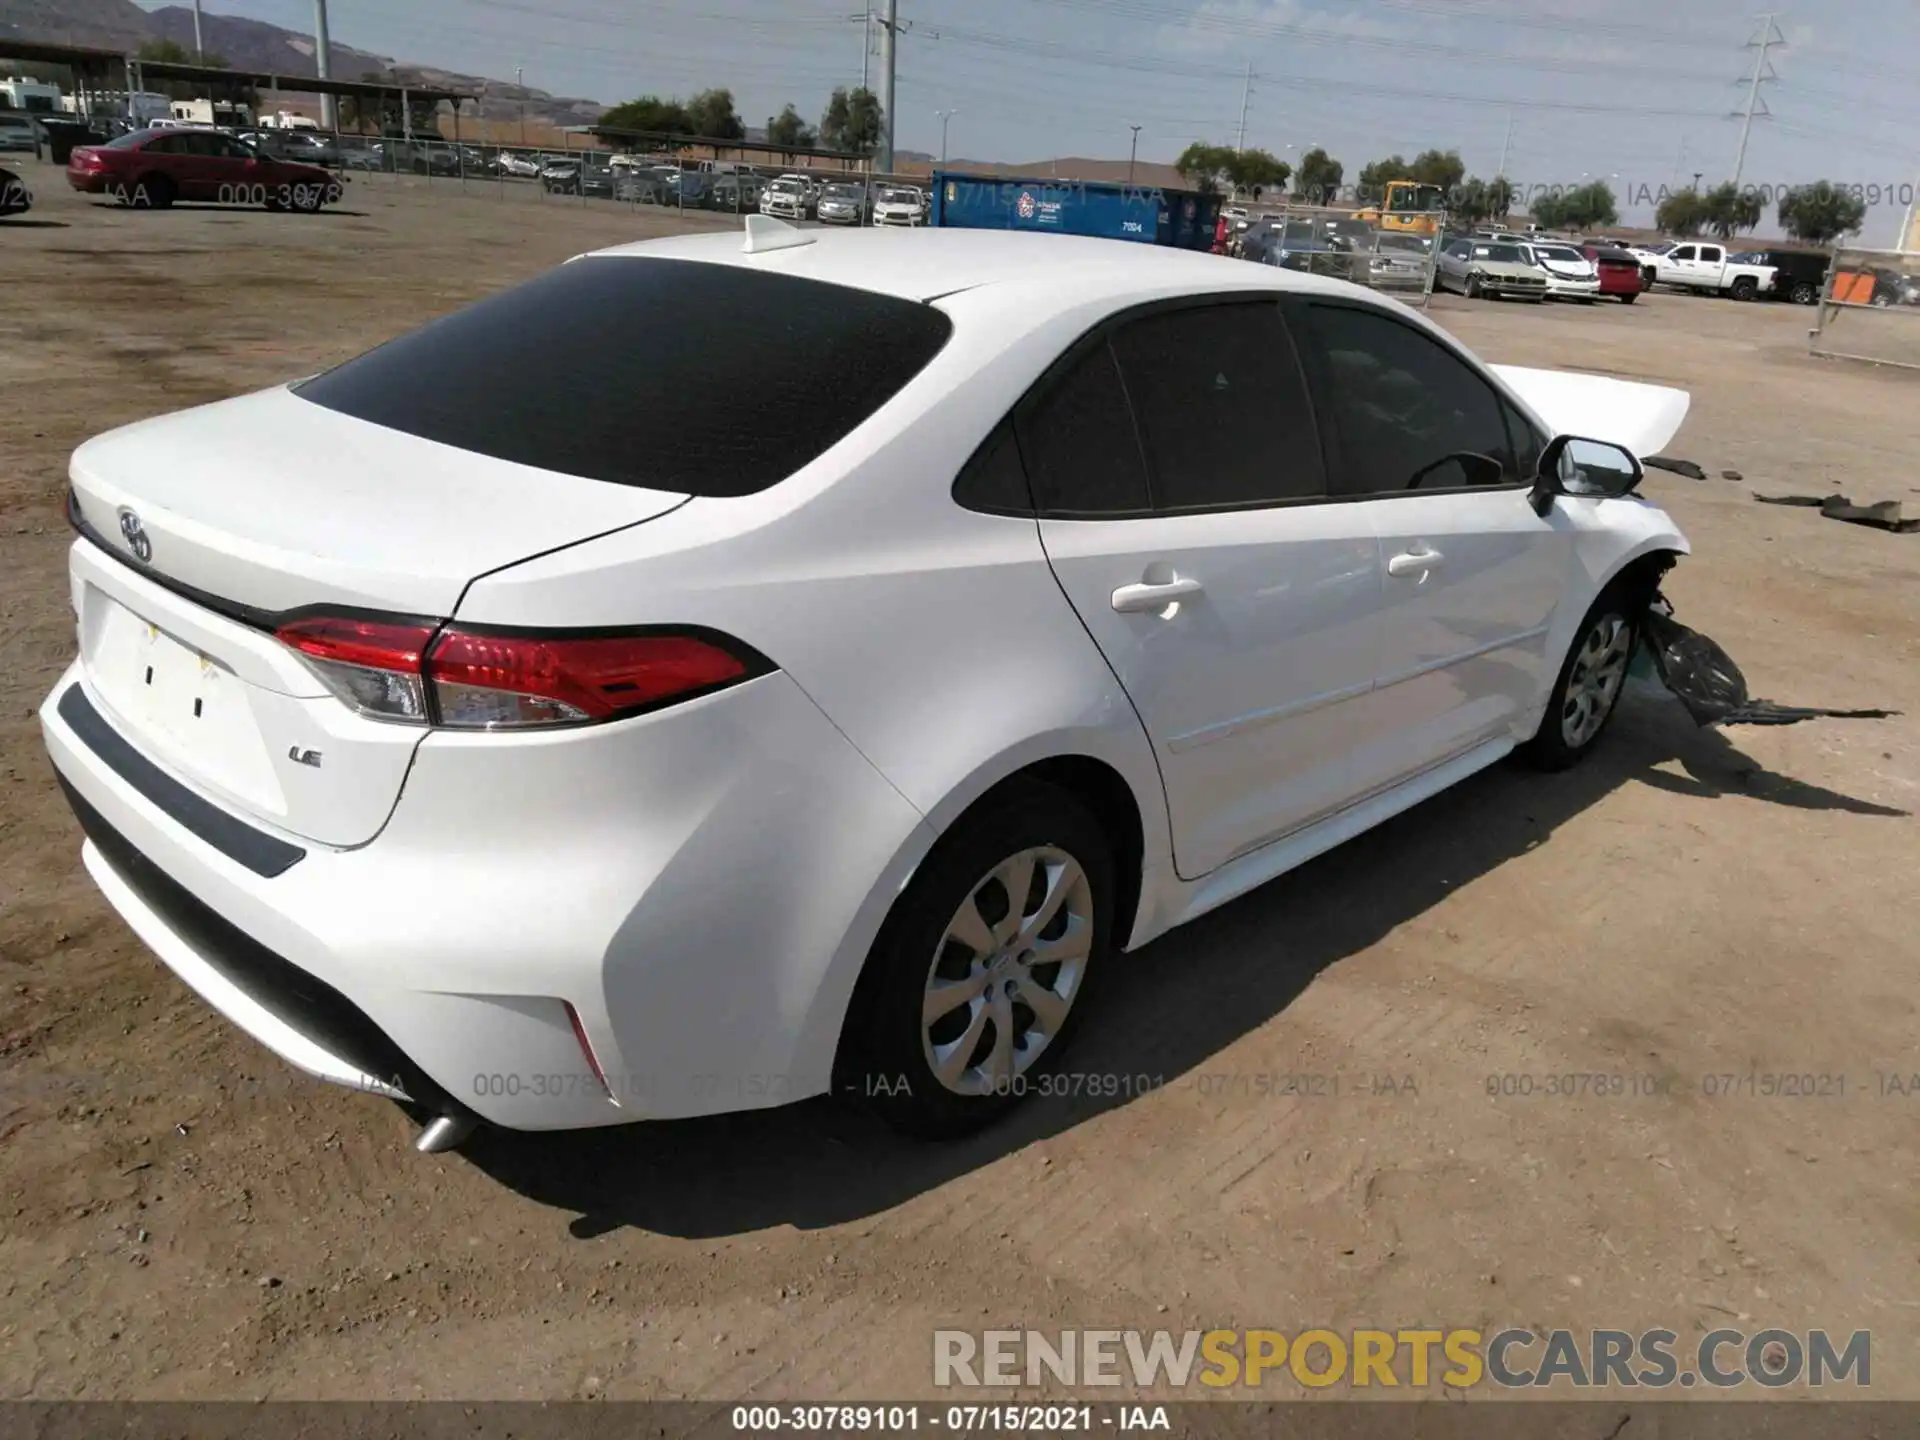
(135, 534)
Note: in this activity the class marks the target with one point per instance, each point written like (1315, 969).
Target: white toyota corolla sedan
(993, 604)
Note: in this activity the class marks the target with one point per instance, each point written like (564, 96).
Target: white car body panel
(365, 515)
(1632, 413)
(703, 884)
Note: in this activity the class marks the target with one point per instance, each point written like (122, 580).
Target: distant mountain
(256, 45)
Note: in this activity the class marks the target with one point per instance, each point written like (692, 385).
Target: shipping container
(1147, 214)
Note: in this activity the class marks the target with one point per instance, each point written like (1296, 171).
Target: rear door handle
(1136, 599)
(1415, 562)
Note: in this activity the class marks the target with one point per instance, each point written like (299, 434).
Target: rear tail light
(426, 673)
(372, 665)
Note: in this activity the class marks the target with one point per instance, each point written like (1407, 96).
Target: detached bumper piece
(1711, 686)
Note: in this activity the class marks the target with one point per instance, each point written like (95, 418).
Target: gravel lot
(181, 1216)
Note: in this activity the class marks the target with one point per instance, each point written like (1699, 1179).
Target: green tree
(1436, 167)
(1475, 201)
(711, 113)
(1319, 176)
(1682, 213)
(1255, 171)
(1500, 198)
(789, 131)
(1374, 177)
(851, 120)
(651, 113)
(1581, 208)
(1729, 210)
(1821, 213)
(1204, 166)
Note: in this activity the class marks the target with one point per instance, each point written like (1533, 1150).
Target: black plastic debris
(1882, 515)
(1678, 467)
(1711, 686)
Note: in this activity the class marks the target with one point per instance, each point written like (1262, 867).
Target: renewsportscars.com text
(1415, 1358)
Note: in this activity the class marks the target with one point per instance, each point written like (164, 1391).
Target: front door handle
(1137, 599)
(1415, 562)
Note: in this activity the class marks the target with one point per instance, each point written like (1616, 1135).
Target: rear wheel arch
(1091, 783)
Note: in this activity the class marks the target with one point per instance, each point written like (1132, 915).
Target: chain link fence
(1871, 308)
(1394, 254)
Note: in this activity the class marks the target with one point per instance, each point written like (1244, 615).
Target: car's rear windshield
(713, 380)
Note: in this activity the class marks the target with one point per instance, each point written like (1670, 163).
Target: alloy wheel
(1007, 971)
(1594, 683)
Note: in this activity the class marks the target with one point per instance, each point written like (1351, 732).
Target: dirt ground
(182, 1216)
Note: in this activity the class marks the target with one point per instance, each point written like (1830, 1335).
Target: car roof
(933, 261)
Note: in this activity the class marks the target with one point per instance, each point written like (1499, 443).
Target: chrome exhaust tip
(448, 1132)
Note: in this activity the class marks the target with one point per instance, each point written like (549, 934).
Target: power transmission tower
(1246, 98)
(1768, 39)
(889, 24)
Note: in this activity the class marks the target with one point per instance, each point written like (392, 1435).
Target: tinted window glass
(1710, 254)
(1410, 415)
(706, 379)
(1222, 407)
(1078, 440)
(994, 479)
(1685, 252)
(1527, 443)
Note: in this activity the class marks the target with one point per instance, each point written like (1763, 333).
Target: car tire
(1587, 691)
(891, 1049)
(1805, 293)
(1744, 288)
(1474, 290)
(150, 192)
(1628, 299)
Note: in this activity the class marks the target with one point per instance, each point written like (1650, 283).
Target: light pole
(1133, 153)
(945, 116)
(519, 83)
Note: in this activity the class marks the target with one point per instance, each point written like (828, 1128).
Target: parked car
(17, 133)
(150, 169)
(15, 197)
(737, 190)
(573, 177)
(1703, 267)
(1488, 269)
(684, 735)
(300, 146)
(1570, 274)
(899, 205)
(521, 167)
(787, 198)
(356, 155)
(1799, 276)
(842, 205)
(1617, 270)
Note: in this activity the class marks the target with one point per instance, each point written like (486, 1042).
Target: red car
(1619, 272)
(150, 169)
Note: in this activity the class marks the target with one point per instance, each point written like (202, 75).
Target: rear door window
(1222, 407)
(674, 375)
(1077, 436)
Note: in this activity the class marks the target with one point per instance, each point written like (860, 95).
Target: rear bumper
(699, 886)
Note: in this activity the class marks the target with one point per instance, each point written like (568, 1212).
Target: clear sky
(1638, 89)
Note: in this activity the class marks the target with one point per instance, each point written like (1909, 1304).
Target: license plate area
(190, 710)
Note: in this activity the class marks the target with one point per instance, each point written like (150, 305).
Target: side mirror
(1591, 469)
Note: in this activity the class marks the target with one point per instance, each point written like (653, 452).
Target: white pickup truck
(1699, 266)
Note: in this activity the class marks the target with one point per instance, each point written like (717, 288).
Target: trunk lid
(271, 502)
(206, 524)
